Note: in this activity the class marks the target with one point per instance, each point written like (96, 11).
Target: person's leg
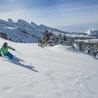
(0, 55)
(9, 55)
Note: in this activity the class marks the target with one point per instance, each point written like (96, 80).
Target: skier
(4, 51)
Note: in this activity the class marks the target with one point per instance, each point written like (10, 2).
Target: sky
(69, 15)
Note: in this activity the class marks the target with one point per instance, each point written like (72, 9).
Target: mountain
(53, 30)
(22, 31)
(93, 32)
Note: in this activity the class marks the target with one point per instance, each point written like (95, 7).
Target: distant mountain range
(24, 31)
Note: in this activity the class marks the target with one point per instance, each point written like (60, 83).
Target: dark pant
(9, 55)
(0, 54)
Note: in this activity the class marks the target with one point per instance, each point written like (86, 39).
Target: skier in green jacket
(4, 51)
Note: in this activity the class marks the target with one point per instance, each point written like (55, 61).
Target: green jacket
(4, 50)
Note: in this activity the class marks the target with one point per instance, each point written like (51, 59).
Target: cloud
(55, 13)
(79, 27)
(9, 5)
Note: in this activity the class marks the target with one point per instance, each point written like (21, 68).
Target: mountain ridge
(24, 31)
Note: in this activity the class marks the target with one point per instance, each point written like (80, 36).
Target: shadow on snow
(18, 61)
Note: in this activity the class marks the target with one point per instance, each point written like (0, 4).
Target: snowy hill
(22, 31)
(62, 73)
(93, 32)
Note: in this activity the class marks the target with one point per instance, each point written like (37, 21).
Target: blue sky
(69, 15)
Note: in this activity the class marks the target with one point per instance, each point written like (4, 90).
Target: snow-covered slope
(93, 32)
(62, 73)
(24, 31)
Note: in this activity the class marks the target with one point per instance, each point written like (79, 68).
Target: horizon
(65, 15)
(59, 28)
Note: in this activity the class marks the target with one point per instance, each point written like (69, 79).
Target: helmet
(5, 44)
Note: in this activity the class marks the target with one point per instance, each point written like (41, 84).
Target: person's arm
(11, 48)
(1, 52)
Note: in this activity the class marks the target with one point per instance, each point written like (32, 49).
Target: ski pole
(18, 52)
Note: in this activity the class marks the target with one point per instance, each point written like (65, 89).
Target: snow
(91, 30)
(11, 28)
(20, 30)
(62, 73)
(23, 30)
(88, 40)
